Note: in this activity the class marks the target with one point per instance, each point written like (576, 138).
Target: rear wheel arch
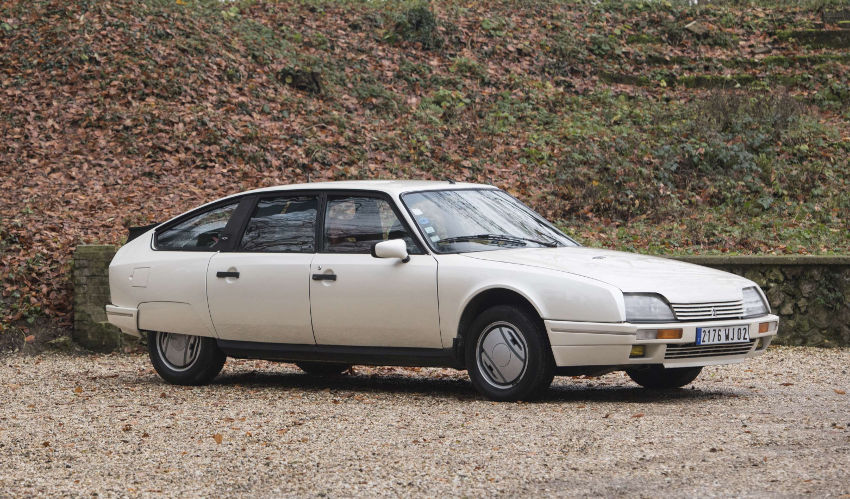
(482, 301)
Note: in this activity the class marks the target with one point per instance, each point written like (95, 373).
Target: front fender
(554, 295)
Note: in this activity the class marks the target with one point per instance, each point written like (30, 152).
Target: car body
(386, 273)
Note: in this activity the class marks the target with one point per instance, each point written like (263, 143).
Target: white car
(418, 273)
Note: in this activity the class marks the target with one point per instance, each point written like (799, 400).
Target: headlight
(754, 304)
(647, 307)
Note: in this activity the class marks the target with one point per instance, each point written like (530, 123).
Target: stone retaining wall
(810, 293)
(91, 294)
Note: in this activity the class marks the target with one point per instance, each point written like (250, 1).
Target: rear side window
(198, 233)
(282, 225)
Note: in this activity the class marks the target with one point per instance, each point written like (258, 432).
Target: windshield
(464, 220)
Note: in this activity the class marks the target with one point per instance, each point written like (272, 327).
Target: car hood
(679, 282)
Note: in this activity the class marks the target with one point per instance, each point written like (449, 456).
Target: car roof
(392, 187)
(388, 186)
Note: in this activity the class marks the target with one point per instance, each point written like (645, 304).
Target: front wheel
(508, 356)
(182, 359)
(659, 377)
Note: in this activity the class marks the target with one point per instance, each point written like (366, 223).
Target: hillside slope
(646, 125)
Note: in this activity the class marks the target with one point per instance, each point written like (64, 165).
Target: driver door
(360, 300)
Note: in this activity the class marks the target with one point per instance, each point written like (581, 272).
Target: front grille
(691, 350)
(708, 311)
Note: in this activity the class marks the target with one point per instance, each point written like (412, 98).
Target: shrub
(835, 94)
(731, 112)
(730, 140)
(469, 67)
(601, 45)
(447, 104)
(417, 23)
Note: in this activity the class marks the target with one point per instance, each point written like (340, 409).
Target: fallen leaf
(217, 438)
(787, 384)
(840, 392)
(78, 389)
(30, 338)
(638, 415)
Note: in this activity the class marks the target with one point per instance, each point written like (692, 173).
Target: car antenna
(451, 181)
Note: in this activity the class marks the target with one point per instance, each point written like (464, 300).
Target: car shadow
(632, 394)
(461, 388)
(389, 383)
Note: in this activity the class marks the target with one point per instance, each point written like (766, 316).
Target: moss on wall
(91, 294)
(811, 294)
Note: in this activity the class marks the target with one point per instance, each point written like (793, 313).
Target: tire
(323, 368)
(495, 344)
(183, 359)
(658, 378)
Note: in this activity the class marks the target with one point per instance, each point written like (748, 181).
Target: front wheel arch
(479, 303)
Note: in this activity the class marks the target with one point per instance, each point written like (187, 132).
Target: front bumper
(610, 344)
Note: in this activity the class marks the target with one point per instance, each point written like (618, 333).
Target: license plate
(723, 334)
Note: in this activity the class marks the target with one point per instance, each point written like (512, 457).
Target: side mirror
(394, 248)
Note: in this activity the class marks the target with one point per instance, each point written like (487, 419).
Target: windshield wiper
(520, 241)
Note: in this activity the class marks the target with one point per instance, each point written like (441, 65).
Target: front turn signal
(764, 327)
(669, 334)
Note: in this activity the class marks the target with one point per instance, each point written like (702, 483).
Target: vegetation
(650, 125)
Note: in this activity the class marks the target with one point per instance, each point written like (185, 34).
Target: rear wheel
(508, 356)
(323, 368)
(183, 359)
(659, 377)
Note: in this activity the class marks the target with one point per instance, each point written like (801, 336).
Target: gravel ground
(107, 425)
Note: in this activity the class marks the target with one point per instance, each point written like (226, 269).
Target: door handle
(324, 277)
(227, 274)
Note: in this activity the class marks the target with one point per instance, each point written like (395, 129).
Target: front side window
(456, 221)
(198, 233)
(282, 225)
(354, 223)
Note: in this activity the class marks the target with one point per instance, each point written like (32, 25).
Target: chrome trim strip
(120, 314)
(595, 331)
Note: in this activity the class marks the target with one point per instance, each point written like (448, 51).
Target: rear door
(171, 285)
(360, 300)
(259, 291)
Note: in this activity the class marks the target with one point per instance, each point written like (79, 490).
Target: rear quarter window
(198, 233)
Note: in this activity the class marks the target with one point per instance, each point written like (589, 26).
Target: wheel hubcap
(178, 351)
(502, 354)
